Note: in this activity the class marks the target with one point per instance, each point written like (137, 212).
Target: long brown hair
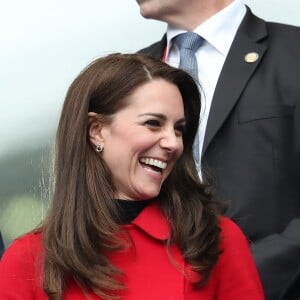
(80, 228)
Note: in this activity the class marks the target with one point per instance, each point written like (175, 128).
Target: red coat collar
(153, 222)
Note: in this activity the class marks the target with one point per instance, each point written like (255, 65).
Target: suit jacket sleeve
(278, 258)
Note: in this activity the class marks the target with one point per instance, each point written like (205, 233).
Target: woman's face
(144, 140)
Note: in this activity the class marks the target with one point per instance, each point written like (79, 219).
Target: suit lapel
(235, 73)
(156, 50)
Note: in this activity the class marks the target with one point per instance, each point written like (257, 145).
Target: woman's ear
(95, 124)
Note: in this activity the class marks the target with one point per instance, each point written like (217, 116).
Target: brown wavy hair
(81, 225)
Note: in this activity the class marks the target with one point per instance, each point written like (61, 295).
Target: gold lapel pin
(251, 57)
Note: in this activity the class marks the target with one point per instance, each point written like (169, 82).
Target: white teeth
(154, 162)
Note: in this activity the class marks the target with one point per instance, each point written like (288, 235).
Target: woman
(129, 217)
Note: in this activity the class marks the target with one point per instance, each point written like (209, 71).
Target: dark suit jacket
(252, 144)
(292, 293)
(1, 245)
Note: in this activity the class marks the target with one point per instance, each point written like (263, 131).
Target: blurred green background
(23, 191)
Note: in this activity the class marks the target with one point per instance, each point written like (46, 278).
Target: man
(249, 133)
(1, 245)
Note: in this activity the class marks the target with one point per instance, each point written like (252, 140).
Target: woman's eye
(180, 129)
(152, 123)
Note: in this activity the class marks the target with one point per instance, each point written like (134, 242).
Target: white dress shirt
(218, 32)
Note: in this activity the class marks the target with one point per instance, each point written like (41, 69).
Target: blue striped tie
(188, 43)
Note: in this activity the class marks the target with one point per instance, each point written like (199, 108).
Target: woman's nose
(171, 141)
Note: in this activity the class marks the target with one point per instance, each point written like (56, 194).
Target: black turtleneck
(129, 209)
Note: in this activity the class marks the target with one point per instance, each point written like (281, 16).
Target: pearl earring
(99, 148)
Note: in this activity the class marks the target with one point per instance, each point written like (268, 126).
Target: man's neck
(197, 13)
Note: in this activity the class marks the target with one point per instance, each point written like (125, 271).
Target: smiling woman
(129, 216)
(143, 141)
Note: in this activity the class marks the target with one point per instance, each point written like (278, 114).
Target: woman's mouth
(153, 164)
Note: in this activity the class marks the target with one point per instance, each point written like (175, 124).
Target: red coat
(149, 273)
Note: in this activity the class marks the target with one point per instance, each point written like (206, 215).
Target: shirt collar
(153, 222)
(217, 30)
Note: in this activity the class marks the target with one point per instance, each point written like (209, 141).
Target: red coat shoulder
(20, 266)
(235, 269)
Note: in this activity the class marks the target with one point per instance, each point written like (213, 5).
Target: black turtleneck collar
(129, 209)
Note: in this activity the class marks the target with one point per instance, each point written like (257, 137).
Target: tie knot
(189, 40)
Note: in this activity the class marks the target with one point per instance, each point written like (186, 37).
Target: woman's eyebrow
(157, 115)
(161, 116)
